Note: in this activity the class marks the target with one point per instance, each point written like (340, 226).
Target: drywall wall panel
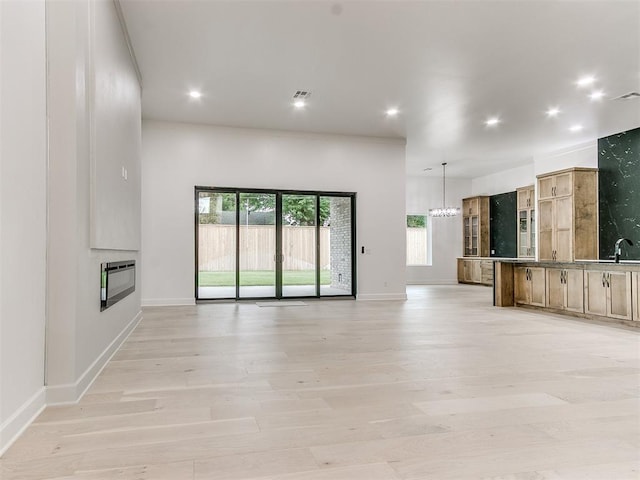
(176, 157)
(115, 134)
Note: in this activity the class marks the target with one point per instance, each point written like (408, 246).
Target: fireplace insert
(117, 280)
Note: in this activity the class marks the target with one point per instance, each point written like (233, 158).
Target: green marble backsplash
(619, 193)
(503, 225)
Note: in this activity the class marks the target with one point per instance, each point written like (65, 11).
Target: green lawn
(262, 278)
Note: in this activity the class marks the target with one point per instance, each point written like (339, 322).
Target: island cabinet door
(556, 291)
(574, 283)
(521, 285)
(619, 295)
(538, 286)
(595, 286)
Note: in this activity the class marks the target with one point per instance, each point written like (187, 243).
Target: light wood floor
(441, 386)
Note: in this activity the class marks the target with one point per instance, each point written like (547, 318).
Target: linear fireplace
(117, 280)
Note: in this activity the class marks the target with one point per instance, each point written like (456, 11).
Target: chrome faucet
(618, 248)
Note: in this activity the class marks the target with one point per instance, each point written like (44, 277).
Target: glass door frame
(279, 250)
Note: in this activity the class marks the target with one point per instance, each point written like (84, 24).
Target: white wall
(115, 135)
(582, 155)
(80, 338)
(49, 275)
(23, 140)
(176, 157)
(445, 234)
(505, 181)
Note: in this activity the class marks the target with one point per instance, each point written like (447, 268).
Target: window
(417, 240)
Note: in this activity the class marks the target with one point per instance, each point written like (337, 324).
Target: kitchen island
(591, 289)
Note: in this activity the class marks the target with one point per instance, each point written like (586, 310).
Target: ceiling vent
(628, 96)
(301, 95)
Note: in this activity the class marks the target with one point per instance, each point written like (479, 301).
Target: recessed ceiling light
(576, 128)
(299, 104)
(392, 112)
(596, 95)
(195, 94)
(553, 112)
(492, 121)
(586, 81)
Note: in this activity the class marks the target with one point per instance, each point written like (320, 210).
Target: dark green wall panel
(619, 192)
(503, 225)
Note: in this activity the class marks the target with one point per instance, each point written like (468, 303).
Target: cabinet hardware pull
(604, 282)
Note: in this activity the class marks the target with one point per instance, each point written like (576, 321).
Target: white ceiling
(447, 65)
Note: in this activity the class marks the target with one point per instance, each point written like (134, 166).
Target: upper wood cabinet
(526, 197)
(568, 215)
(475, 225)
(526, 212)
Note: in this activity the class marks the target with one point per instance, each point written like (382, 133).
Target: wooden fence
(217, 247)
(416, 246)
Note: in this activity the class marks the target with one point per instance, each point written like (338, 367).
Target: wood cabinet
(598, 290)
(486, 272)
(469, 271)
(475, 270)
(526, 212)
(475, 224)
(565, 289)
(608, 294)
(568, 215)
(529, 286)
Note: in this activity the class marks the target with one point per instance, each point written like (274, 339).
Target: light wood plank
(441, 386)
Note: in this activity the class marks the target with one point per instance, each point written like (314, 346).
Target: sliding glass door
(273, 244)
(299, 252)
(217, 236)
(257, 226)
(337, 268)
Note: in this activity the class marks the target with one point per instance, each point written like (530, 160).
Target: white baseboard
(167, 302)
(73, 392)
(453, 281)
(381, 296)
(13, 426)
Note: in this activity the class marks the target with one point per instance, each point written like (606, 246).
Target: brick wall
(340, 239)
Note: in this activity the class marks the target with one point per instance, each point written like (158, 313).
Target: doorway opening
(257, 244)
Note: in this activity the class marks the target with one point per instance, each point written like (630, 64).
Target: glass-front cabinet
(526, 222)
(475, 222)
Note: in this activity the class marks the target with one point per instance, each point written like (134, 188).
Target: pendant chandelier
(444, 211)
